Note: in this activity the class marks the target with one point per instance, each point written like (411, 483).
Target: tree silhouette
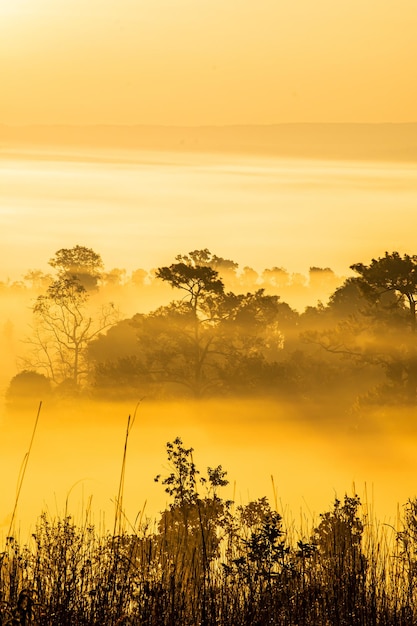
(222, 333)
(391, 273)
(38, 280)
(78, 262)
(63, 329)
(192, 523)
(396, 275)
(199, 281)
(338, 540)
(229, 345)
(371, 319)
(190, 275)
(27, 387)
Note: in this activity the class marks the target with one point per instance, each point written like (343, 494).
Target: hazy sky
(196, 62)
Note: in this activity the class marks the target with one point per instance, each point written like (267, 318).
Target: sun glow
(16, 7)
(135, 62)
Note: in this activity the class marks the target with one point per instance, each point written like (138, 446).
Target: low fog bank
(77, 453)
(323, 401)
(139, 208)
(139, 292)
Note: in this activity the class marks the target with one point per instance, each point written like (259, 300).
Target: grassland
(208, 562)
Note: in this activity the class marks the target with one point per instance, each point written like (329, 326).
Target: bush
(28, 388)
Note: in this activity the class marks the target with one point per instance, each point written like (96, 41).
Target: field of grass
(208, 562)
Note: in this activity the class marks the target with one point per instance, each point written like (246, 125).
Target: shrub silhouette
(207, 563)
(28, 387)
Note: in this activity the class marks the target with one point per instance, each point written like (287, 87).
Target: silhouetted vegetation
(226, 333)
(209, 562)
(63, 330)
(78, 263)
(27, 387)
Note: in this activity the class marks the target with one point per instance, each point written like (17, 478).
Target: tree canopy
(190, 275)
(62, 331)
(78, 262)
(217, 340)
(394, 273)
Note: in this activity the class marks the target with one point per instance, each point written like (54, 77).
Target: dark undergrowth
(206, 562)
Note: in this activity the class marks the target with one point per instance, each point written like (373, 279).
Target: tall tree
(372, 320)
(238, 339)
(193, 275)
(276, 277)
(397, 275)
(393, 273)
(80, 263)
(37, 279)
(63, 329)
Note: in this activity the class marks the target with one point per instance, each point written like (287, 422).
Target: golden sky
(197, 62)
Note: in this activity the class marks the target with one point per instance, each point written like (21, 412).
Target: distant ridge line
(376, 141)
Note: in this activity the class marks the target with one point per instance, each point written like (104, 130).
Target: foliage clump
(26, 388)
(210, 563)
(227, 331)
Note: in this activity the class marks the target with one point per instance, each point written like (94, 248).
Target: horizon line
(200, 126)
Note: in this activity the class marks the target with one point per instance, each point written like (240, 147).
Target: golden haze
(196, 63)
(203, 63)
(311, 462)
(139, 209)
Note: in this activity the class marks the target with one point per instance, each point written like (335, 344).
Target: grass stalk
(22, 472)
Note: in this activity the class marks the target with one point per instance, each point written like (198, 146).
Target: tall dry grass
(206, 562)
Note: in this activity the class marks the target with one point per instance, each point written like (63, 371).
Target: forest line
(222, 332)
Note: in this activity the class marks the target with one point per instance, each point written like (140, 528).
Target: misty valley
(208, 287)
(298, 408)
(213, 330)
